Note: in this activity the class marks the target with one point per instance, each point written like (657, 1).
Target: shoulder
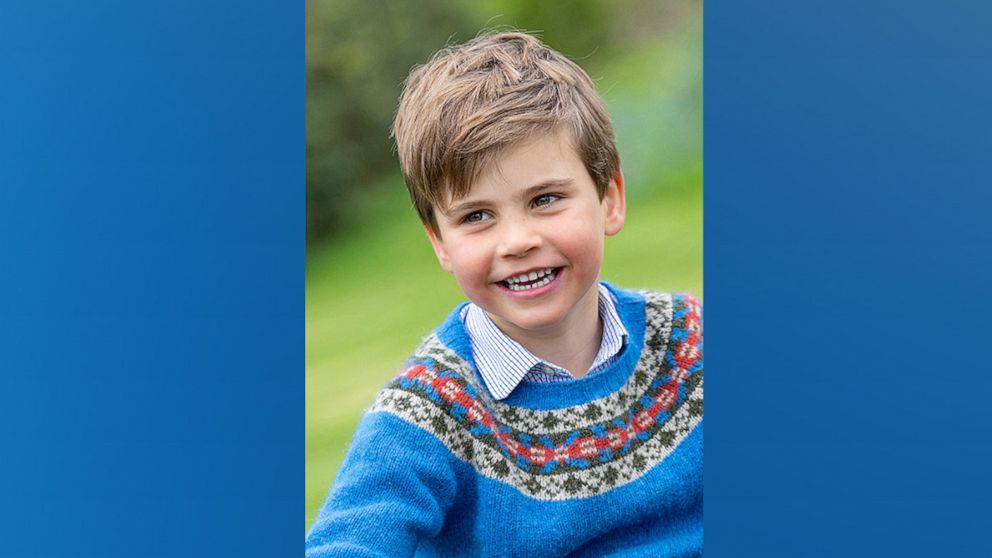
(438, 369)
(678, 322)
(436, 390)
(672, 328)
(658, 308)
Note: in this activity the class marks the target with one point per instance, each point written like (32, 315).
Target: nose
(517, 238)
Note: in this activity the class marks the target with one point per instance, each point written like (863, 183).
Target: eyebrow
(530, 191)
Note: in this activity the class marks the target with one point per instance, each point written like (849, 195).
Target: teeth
(542, 277)
(530, 276)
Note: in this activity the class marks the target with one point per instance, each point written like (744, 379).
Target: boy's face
(526, 243)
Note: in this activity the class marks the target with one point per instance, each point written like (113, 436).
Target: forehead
(543, 158)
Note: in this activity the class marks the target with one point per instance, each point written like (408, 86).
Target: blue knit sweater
(610, 464)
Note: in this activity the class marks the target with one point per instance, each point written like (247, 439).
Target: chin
(534, 322)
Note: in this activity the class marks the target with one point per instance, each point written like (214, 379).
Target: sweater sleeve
(393, 489)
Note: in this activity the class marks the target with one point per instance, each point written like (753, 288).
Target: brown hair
(471, 101)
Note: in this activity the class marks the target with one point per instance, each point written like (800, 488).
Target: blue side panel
(847, 258)
(151, 278)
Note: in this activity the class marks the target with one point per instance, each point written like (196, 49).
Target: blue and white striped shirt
(504, 363)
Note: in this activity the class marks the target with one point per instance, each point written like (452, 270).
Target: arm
(393, 489)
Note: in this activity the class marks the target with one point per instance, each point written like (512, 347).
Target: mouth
(531, 280)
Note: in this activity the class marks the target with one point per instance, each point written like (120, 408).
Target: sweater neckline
(540, 396)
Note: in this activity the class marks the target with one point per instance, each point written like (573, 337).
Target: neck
(572, 345)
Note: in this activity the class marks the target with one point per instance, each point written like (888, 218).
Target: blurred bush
(359, 52)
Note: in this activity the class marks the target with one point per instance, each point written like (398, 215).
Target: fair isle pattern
(576, 452)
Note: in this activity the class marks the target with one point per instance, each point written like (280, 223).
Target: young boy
(553, 414)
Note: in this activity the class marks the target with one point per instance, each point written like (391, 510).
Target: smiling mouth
(532, 280)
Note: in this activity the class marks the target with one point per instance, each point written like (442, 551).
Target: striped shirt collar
(504, 363)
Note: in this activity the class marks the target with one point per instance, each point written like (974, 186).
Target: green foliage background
(373, 286)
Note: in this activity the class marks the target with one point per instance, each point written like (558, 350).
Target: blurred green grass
(375, 291)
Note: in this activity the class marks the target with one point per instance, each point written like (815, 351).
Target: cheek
(582, 241)
(591, 255)
(470, 267)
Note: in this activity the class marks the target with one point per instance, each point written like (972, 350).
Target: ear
(615, 204)
(439, 250)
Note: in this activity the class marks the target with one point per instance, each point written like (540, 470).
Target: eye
(476, 217)
(545, 199)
